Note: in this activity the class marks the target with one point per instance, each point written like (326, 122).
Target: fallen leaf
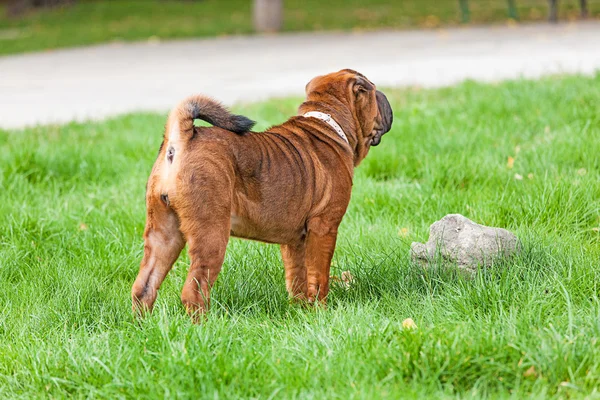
(345, 281)
(408, 323)
(403, 232)
(431, 21)
(347, 278)
(530, 372)
(534, 13)
(510, 163)
(153, 40)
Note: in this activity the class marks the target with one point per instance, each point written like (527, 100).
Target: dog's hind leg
(293, 256)
(163, 242)
(206, 226)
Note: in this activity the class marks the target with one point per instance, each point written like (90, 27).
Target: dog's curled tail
(209, 110)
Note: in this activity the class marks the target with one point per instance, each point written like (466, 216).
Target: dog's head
(369, 108)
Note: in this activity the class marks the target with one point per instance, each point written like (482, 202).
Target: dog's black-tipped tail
(211, 111)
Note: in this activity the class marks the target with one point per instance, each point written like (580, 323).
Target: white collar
(327, 118)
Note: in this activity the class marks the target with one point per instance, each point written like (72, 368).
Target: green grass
(99, 21)
(71, 220)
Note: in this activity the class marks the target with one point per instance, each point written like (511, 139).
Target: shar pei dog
(288, 185)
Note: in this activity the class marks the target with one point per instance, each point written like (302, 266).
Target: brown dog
(289, 185)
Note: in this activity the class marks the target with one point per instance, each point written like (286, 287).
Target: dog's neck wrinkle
(360, 148)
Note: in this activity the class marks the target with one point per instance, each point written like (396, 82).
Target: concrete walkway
(101, 81)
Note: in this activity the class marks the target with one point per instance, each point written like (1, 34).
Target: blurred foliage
(98, 21)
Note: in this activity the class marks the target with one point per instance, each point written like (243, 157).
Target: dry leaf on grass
(408, 323)
(510, 163)
(531, 372)
(345, 281)
(347, 278)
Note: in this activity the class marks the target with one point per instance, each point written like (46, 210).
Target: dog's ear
(385, 118)
(307, 87)
(311, 84)
(362, 85)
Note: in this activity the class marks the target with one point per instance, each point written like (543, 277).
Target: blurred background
(90, 59)
(27, 25)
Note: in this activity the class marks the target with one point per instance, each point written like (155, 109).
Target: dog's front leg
(320, 245)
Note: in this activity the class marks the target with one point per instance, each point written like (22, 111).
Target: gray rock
(460, 241)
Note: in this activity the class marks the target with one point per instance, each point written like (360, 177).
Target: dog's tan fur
(288, 185)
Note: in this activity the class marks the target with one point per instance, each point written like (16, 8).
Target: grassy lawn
(72, 214)
(98, 21)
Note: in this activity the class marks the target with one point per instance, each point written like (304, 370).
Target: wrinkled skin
(289, 185)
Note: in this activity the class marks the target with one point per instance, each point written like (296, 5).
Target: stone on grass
(457, 240)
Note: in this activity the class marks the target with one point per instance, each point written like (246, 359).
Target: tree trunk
(553, 16)
(584, 8)
(464, 11)
(512, 10)
(268, 15)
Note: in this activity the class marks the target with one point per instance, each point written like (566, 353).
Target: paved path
(101, 81)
